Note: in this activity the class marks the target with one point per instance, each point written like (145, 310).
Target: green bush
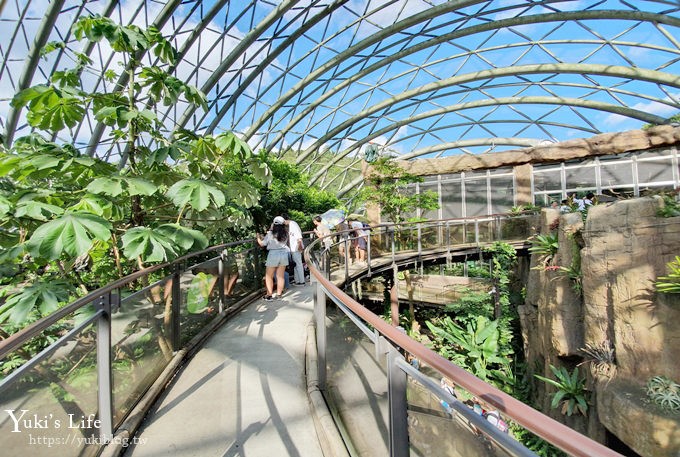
(571, 390)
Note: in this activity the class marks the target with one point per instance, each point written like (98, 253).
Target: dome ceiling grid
(324, 75)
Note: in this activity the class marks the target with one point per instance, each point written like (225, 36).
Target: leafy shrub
(671, 206)
(571, 390)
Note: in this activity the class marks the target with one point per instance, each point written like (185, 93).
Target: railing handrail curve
(538, 423)
(17, 339)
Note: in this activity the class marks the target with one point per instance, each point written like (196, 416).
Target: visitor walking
(296, 248)
(276, 242)
(322, 231)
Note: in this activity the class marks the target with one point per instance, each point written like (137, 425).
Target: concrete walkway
(244, 393)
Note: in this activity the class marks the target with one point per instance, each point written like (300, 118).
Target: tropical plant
(387, 187)
(479, 347)
(601, 357)
(664, 392)
(671, 205)
(545, 246)
(571, 390)
(670, 284)
(503, 259)
(64, 213)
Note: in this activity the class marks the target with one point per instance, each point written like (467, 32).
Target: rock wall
(623, 248)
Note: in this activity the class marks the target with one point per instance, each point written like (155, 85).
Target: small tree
(61, 209)
(387, 186)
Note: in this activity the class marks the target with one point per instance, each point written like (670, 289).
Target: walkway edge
(332, 444)
(128, 428)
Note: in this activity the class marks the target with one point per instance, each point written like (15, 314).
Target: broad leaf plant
(169, 191)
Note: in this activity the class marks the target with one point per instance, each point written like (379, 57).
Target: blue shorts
(277, 257)
(361, 242)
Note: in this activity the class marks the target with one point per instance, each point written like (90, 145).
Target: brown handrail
(17, 339)
(556, 433)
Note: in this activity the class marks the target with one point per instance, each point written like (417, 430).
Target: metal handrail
(538, 423)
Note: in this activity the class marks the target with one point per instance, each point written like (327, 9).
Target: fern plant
(664, 392)
(670, 284)
(571, 390)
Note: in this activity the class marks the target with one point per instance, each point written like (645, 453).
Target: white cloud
(656, 108)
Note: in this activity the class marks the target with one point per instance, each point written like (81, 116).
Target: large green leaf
(186, 238)
(73, 234)
(106, 186)
(94, 204)
(5, 206)
(242, 193)
(116, 185)
(37, 210)
(149, 244)
(198, 194)
(229, 142)
(43, 297)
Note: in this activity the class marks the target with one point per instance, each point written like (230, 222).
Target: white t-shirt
(359, 228)
(294, 234)
(271, 243)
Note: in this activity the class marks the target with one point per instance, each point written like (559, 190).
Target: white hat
(278, 220)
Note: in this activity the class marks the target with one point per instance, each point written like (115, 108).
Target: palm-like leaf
(147, 243)
(198, 194)
(73, 234)
(43, 297)
(186, 238)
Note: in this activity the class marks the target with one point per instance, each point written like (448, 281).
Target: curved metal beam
(604, 70)
(31, 64)
(509, 22)
(242, 47)
(306, 26)
(352, 50)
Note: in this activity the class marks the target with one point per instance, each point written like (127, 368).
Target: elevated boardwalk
(243, 393)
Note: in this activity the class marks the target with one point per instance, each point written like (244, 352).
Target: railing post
(398, 406)
(220, 279)
(320, 319)
(347, 257)
(105, 388)
(368, 252)
(176, 301)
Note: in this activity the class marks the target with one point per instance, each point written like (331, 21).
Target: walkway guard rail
(111, 345)
(402, 404)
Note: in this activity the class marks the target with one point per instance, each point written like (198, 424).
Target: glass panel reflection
(357, 384)
(52, 408)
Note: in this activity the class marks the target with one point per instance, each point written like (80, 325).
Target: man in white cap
(296, 248)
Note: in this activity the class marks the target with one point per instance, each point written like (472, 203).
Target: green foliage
(670, 207)
(478, 347)
(66, 217)
(571, 390)
(545, 246)
(665, 393)
(387, 188)
(524, 209)
(472, 303)
(670, 284)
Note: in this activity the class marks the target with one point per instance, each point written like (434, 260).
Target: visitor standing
(276, 242)
(322, 231)
(361, 241)
(296, 248)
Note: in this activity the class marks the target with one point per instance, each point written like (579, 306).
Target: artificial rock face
(625, 248)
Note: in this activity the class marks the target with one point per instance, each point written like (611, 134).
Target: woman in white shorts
(276, 242)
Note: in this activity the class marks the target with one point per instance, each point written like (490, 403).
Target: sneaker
(268, 298)
(298, 284)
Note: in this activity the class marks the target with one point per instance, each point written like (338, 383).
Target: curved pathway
(243, 393)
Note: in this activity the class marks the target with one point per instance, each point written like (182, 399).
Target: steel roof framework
(422, 78)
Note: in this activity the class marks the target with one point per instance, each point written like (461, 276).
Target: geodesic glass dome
(414, 78)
